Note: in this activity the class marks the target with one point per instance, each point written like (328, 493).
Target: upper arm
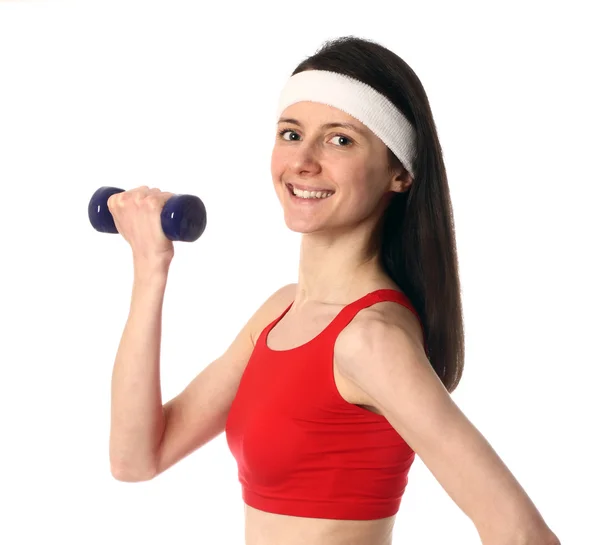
(388, 363)
(199, 413)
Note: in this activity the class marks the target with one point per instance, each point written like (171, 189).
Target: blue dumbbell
(183, 217)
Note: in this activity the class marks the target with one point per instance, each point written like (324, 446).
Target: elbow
(539, 538)
(552, 539)
(127, 474)
(533, 533)
(543, 536)
(545, 539)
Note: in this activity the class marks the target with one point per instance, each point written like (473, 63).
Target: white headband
(360, 101)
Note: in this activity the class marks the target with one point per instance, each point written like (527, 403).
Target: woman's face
(350, 162)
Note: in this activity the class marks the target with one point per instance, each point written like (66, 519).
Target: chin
(301, 227)
(307, 227)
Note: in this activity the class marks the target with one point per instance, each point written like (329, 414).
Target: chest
(299, 329)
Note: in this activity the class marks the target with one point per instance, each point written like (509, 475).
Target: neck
(337, 268)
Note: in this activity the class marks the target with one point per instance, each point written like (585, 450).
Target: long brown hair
(418, 246)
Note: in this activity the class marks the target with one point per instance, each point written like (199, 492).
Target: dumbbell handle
(183, 217)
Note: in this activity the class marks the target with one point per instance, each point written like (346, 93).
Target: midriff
(264, 528)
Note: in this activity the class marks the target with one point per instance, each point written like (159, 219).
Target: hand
(137, 217)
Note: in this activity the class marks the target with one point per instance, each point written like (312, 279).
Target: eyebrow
(326, 125)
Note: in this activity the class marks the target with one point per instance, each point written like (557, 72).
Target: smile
(300, 194)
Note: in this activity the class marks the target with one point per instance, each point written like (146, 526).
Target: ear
(401, 180)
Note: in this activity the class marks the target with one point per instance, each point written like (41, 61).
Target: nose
(304, 158)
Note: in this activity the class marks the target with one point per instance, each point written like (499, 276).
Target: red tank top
(300, 447)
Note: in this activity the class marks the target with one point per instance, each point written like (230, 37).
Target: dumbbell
(183, 217)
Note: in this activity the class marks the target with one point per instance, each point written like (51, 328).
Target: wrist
(156, 269)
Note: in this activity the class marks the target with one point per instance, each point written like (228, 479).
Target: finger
(115, 201)
(156, 201)
(140, 193)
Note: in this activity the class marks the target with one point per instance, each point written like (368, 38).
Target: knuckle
(138, 197)
(153, 202)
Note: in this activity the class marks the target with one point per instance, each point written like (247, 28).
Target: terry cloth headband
(359, 100)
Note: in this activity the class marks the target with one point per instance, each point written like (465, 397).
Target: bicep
(199, 413)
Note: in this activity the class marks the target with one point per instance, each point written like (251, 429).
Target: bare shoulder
(381, 319)
(373, 331)
(270, 309)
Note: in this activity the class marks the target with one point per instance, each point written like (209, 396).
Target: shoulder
(378, 335)
(373, 327)
(284, 295)
(271, 308)
(381, 354)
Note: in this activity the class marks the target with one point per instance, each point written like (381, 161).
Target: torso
(298, 328)
(262, 528)
(273, 529)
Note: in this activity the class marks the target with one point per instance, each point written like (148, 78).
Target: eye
(348, 141)
(283, 131)
(342, 137)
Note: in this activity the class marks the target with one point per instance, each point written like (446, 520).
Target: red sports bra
(300, 447)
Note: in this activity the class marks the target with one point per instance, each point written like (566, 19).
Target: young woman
(337, 380)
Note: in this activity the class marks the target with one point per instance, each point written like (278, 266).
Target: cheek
(361, 183)
(366, 190)
(278, 162)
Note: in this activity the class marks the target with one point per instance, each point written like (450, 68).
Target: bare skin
(297, 327)
(268, 529)
(338, 264)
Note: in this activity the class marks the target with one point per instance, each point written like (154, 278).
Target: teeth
(311, 194)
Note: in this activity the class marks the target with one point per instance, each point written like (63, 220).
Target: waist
(264, 528)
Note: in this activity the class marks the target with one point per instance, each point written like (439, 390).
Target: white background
(181, 96)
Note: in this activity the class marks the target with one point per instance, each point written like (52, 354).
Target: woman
(338, 380)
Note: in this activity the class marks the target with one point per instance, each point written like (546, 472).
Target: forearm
(137, 419)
